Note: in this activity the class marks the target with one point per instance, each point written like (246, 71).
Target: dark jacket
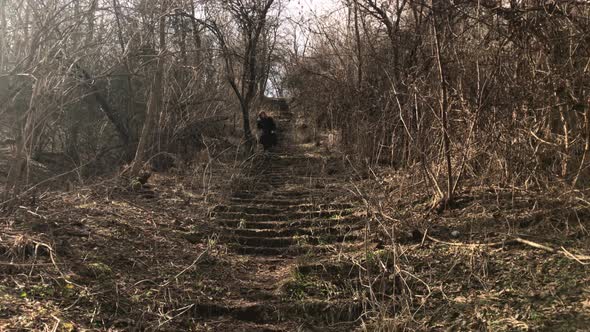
(266, 125)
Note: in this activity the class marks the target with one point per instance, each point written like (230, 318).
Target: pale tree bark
(444, 108)
(359, 49)
(24, 145)
(26, 46)
(91, 17)
(130, 90)
(196, 37)
(3, 32)
(154, 102)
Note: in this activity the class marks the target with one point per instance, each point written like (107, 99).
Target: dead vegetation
(432, 172)
(102, 256)
(499, 259)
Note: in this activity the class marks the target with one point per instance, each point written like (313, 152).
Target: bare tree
(243, 60)
(460, 90)
(155, 97)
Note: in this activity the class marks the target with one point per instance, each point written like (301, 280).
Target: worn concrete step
(303, 193)
(320, 222)
(291, 179)
(255, 209)
(270, 201)
(288, 178)
(329, 214)
(300, 175)
(267, 251)
(288, 175)
(270, 209)
(270, 242)
(288, 241)
(314, 312)
(284, 190)
(303, 248)
(268, 193)
(289, 168)
(295, 231)
(293, 172)
(302, 181)
(329, 270)
(292, 251)
(282, 164)
(278, 163)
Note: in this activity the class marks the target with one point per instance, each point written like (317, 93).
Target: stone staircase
(287, 216)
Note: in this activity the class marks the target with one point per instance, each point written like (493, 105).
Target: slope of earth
(107, 258)
(499, 259)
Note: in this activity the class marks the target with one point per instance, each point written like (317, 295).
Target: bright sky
(298, 8)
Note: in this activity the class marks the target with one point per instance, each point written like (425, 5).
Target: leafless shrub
(457, 91)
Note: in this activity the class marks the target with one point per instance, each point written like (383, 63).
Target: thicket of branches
(481, 89)
(484, 89)
(94, 84)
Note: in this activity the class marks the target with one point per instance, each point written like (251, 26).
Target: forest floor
(294, 240)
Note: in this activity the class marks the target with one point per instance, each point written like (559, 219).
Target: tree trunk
(130, 91)
(3, 33)
(154, 103)
(444, 106)
(249, 138)
(24, 144)
(358, 46)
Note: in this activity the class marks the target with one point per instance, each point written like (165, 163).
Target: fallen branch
(517, 240)
(561, 250)
(533, 244)
(462, 244)
(578, 258)
(29, 264)
(186, 269)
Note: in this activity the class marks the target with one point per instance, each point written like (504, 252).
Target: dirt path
(289, 217)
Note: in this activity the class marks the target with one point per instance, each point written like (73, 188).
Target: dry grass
(500, 259)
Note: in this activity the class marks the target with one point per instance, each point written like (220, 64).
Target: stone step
(303, 193)
(302, 175)
(297, 249)
(289, 166)
(329, 214)
(242, 224)
(280, 171)
(284, 194)
(283, 232)
(271, 209)
(274, 184)
(280, 159)
(289, 176)
(293, 160)
(288, 190)
(315, 312)
(309, 181)
(271, 242)
(270, 201)
(254, 209)
(289, 241)
(267, 251)
(329, 269)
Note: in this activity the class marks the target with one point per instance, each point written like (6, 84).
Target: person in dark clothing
(266, 127)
